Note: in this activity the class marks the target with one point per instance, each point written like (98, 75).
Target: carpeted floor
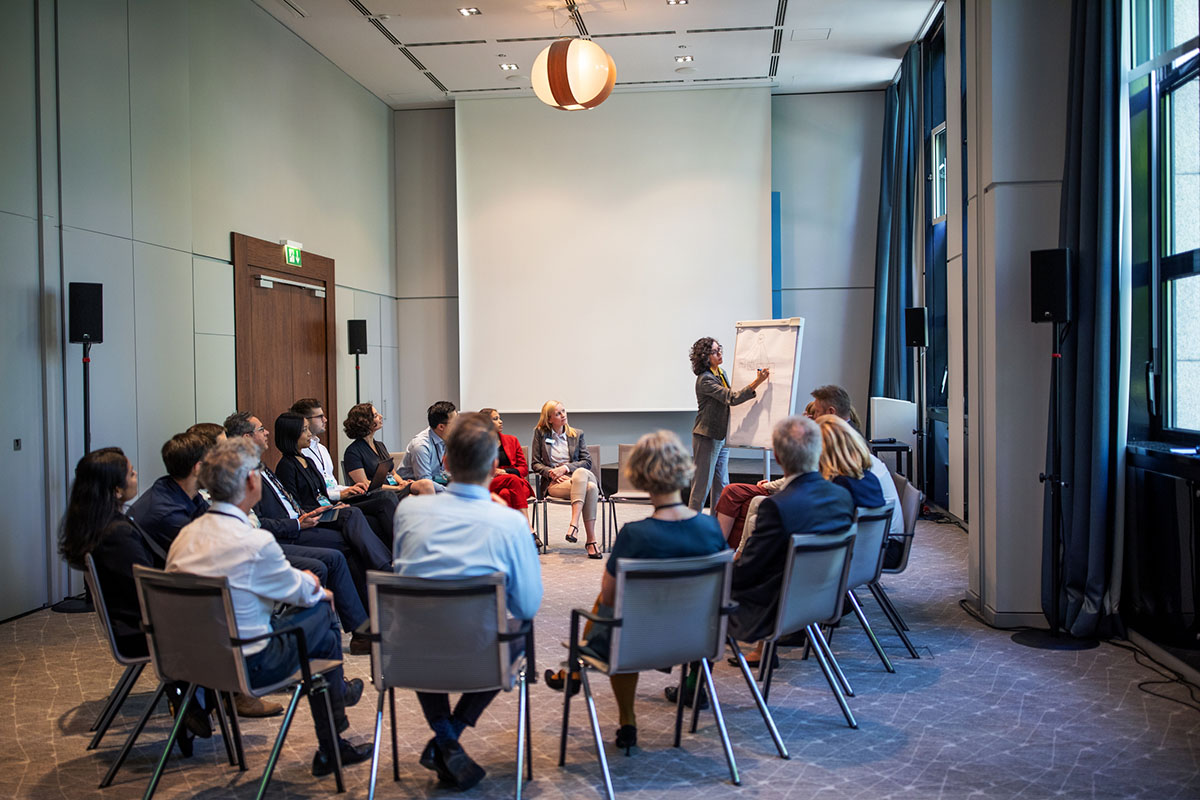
(976, 716)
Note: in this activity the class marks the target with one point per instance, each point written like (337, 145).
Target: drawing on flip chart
(765, 344)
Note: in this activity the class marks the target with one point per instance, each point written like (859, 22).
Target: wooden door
(285, 325)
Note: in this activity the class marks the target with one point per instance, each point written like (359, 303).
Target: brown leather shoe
(256, 706)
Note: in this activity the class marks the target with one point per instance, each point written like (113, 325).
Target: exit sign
(291, 253)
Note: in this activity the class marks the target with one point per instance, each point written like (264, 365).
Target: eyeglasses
(717, 349)
(259, 428)
(317, 416)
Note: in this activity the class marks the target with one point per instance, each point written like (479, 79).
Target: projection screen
(595, 247)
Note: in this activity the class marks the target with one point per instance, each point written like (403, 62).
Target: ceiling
(426, 54)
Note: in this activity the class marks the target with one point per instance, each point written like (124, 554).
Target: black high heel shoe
(626, 738)
(557, 680)
(571, 531)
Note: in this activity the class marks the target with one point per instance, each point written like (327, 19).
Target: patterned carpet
(976, 716)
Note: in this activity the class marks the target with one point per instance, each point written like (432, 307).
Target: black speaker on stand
(85, 317)
(916, 334)
(356, 332)
(1050, 292)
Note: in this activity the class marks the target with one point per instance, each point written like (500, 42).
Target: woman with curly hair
(660, 466)
(714, 396)
(365, 453)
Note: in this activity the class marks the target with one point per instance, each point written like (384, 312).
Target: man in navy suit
(807, 504)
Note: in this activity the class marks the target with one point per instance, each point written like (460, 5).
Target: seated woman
(105, 481)
(511, 482)
(304, 480)
(846, 460)
(661, 466)
(562, 459)
(365, 453)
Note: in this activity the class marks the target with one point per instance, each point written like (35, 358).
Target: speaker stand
(357, 392)
(919, 478)
(87, 399)
(1055, 638)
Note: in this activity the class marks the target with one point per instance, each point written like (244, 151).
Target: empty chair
(896, 557)
(133, 664)
(206, 651)
(625, 493)
(434, 635)
(813, 588)
(652, 598)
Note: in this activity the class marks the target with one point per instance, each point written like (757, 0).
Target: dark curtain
(891, 366)
(1089, 225)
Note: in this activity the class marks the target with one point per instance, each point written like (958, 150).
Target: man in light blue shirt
(460, 534)
(425, 456)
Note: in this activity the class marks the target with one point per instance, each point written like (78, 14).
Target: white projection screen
(596, 246)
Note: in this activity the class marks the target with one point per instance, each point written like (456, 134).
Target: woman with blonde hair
(660, 466)
(562, 460)
(846, 460)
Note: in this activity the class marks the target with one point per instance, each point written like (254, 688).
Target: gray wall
(825, 152)
(180, 123)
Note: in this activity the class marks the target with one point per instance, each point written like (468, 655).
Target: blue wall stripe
(776, 260)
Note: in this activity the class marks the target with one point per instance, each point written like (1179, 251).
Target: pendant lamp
(573, 75)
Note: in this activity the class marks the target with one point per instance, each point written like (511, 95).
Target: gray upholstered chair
(432, 635)
(546, 501)
(869, 544)
(625, 493)
(652, 597)
(191, 630)
(813, 589)
(911, 499)
(133, 664)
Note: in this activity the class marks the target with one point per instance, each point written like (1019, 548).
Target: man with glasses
(379, 506)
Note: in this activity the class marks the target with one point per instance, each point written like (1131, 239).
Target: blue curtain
(1093, 429)
(891, 367)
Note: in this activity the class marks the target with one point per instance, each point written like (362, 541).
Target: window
(1164, 109)
(938, 179)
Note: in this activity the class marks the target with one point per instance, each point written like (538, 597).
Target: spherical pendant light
(573, 74)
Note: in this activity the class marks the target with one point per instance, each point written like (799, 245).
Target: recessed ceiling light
(683, 59)
(508, 67)
(470, 12)
(677, 2)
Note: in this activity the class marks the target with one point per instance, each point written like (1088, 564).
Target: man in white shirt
(223, 543)
(457, 534)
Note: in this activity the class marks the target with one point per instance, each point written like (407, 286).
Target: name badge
(330, 484)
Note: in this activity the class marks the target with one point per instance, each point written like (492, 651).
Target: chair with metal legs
(869, 544)
(133, 664)
(911, 499)
(626, 492)
(433, 635)
(813, 589)
(652, 597)
(546, 501)
(192, 635)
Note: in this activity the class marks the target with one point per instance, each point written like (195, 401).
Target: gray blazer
(539, 457)
(713, 401)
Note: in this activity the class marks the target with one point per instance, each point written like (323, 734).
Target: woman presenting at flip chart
(713, 398)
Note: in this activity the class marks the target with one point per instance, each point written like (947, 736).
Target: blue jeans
(281, 658)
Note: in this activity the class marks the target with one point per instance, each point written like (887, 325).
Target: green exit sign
(291, 253)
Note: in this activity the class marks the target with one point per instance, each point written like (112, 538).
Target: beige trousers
(581, 487)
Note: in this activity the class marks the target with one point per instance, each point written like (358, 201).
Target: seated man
(175, 500)
(223, 543)
(276, 512)
(378, 506)
(426, 453)
(455, 535)
(806, 504)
